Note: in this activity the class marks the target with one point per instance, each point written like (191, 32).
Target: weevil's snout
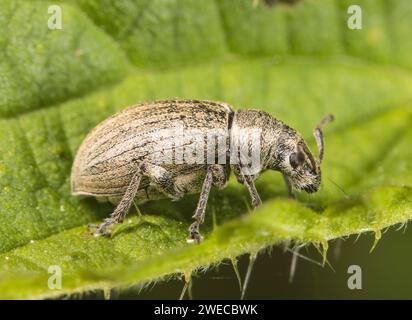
(311, 184)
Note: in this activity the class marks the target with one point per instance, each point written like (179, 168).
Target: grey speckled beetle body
(116, 160)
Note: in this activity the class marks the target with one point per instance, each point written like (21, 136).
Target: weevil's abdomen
(106, 160)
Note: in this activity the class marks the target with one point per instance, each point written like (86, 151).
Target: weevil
(169, 148)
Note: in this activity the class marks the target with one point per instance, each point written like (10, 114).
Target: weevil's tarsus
(319, 136)
(252, 259)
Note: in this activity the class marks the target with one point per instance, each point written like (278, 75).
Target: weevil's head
(296, 161)
(301, 168)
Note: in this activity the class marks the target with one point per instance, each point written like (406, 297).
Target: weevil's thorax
(281, 148)
(254, 134)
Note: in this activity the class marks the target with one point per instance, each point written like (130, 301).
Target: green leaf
(298, 62)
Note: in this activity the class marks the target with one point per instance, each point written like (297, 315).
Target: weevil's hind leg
(159, 176)
(199, 216)
(289, 187)
(124, 205)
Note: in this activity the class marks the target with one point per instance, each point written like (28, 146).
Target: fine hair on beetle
(179, 145)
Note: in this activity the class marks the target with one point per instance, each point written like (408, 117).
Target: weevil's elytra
(172, 147)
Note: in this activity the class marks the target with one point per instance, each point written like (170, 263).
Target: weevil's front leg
(256, 202)
(247, 180)
(289, 186)
(194, 234)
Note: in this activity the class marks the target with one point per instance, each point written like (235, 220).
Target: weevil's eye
(296, 159)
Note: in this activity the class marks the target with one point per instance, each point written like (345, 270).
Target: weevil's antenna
(319, 135)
